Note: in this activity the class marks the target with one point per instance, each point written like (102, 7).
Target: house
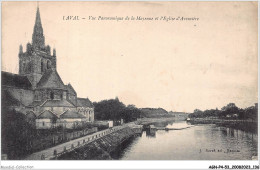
(46, 120)
(71, 119)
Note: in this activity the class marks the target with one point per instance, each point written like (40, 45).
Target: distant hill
(154, 112)
(179, 114)
(174, 113)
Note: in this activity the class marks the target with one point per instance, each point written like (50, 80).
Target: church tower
(38, 39)
(37, 58)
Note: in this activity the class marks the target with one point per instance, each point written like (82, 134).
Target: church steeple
(37, 58)
(38, 40)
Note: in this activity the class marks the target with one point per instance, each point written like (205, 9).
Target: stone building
(39, 89)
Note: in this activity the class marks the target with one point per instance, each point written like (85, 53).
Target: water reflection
(200, 142)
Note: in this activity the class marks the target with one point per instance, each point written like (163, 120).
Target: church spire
(38, 40)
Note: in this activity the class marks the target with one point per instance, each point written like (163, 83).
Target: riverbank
(101, 148)
(149, 121)
(123, 144)
(105, 146)
(244, 125)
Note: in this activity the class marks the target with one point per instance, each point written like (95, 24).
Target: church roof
(47, 114)
(36, 103)
(51, 79)
(71, 115)
(44, 78)
(57, 103)
(9, 100)
(15, 80)
(70, 89)
(84, 102)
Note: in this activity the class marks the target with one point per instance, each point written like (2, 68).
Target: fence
(55, 151)
(52, 140)
(64, 124)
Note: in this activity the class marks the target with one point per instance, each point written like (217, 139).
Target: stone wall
(101, 148)
(44, 94)
(88, 112)
(43, 124)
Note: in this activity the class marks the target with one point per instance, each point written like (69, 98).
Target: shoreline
(244, 125)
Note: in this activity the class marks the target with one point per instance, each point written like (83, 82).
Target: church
(39, 92)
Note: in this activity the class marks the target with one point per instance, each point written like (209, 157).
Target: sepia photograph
(136, 81)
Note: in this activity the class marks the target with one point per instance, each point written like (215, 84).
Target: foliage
(16, 132)
(115, 110)
(228, 111)
(155, 112)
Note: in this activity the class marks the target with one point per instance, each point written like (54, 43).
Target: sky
(176, 65)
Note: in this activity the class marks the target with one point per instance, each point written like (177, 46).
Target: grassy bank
(245, 125)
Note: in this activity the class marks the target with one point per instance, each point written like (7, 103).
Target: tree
(196, 113)
(230, 108)
(113, 109)
(16, 132)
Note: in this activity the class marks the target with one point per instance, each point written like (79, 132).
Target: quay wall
(100, 148)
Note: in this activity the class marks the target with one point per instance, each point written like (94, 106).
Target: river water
(199, 142)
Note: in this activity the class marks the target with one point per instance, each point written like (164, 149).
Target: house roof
(51, 79)
(57, 103)
(15, 80)
(47, 114)
(70, 89)
(32, 112)
(69, 114)
(84, 102)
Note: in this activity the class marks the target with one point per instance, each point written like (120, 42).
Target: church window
(61, 96)
(42, 69)
(52, 95)
(23, 66)
(48, 64)
(36, 96)
(64, 95)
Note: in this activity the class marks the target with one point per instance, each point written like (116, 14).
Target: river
(199, 142)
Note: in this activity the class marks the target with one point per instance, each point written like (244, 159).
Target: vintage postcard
(175, 81)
